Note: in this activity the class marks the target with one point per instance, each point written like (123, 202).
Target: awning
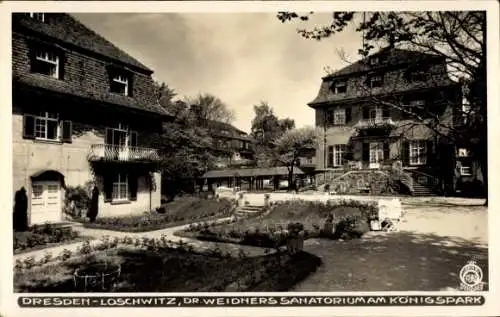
(251, 172)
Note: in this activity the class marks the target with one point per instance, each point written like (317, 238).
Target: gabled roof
(65, 28)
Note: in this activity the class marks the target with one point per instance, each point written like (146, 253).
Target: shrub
(77, 200)
(42, 235)
(193, 210)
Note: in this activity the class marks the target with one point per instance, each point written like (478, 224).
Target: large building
(82, 111)
(393, 106)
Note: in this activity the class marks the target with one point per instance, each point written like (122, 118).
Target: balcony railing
(107, 152)
(375, 123)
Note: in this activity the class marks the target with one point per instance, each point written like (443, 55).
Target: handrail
(374, 122)
(110, 152)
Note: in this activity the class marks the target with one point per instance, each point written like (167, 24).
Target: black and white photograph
(292, 150)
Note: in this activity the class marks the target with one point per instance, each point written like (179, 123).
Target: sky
(242, 58)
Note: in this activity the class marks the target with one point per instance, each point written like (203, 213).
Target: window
(339, 117)
(36, 16)
(121, 136)
(46, 63)
(336, 155)
(47, 126)
(418, 152)
(120, 187)
(120, 84)
(374, 60)
(340, 87)
(375, 81)
(462, 152)
(466, 112)
(465, 170)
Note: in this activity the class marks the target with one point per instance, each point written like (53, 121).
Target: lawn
(179, 212)
(174, 270)
(44, 236)
(350, 219)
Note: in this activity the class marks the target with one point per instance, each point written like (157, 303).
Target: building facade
(233, 147)
(393, 106)
(81, 114)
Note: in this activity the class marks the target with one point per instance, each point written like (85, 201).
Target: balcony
(375, 123)
(116, 153)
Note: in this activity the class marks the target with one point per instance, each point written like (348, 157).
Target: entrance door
(45, 202)
(376, 154)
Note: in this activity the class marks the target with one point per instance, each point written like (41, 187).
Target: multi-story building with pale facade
(393, 106)
(82, 111)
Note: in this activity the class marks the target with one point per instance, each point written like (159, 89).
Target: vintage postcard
(250, 158)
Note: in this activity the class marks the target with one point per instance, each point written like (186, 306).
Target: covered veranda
(250, 179)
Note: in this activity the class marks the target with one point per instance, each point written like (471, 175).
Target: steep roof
(65, 28)
(390, 59)
(389, 56)
(65, 88)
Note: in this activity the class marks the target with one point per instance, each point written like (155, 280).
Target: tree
(165, 96)
(292, 145)
(207, 108)
(457, 36)
(266, 129)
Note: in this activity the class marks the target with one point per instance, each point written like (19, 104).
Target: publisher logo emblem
(471, 277)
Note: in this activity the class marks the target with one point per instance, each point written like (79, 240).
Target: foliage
(78, 199)
(41, 236)
(173, 269)
(459, 37)
(266, 128)
(292, 145)
(178, 214)
(288, 219)
(206, 108)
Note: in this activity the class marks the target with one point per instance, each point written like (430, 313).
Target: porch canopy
(252, 172)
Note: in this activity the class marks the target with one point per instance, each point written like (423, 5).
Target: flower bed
(188, 211)
(44, 236)
(291, 219)
(168, 269)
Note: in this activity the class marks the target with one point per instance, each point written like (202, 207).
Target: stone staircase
(248, 211)
(422, 190)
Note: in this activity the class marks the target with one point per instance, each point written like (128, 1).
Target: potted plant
(295, 238)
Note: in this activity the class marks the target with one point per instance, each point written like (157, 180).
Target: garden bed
(172, 270)
(177, 213)
(44, 236)
(334, 219)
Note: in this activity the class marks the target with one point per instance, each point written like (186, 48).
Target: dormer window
(46, 63)
(36, 16)
(374, 60)
(340, 87)
(375, 81)
(120, 84)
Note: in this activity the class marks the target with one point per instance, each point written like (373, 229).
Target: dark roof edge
(39, 35)
(86, 99)
(381, 67)
(315, 105)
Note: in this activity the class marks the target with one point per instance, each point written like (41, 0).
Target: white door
(45, 202)
(376, 154)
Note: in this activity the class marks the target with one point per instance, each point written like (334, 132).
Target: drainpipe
(150, 194)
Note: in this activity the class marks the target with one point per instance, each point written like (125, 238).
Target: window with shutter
(133, 138)
(132, 186)
(348, 115)
(366, 152)
(386, 151)
(29, 126)
(67, 131)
